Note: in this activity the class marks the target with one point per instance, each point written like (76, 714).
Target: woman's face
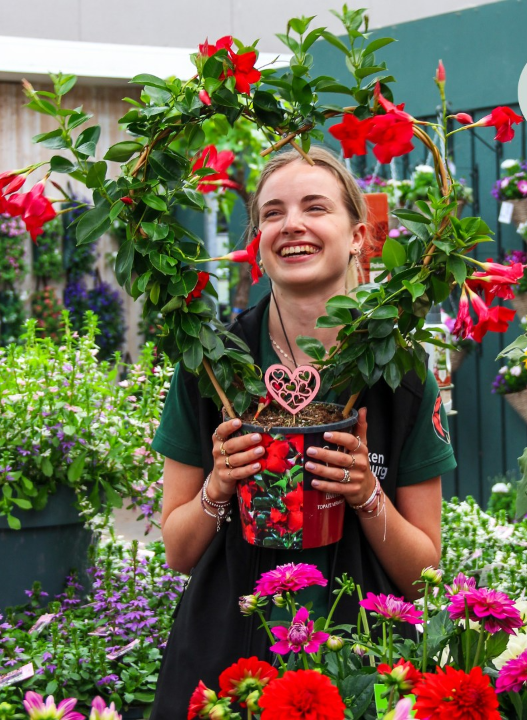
(307, 232)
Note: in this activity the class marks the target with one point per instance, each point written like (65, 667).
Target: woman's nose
(293, 223)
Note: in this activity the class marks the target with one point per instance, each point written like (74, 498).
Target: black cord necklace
(283, 330)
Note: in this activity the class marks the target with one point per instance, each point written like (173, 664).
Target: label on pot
(278, 506)
(123, 650)
(506, 210)
(41, 623)
(16, 676)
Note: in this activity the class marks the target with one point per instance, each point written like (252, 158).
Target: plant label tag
(381, 700)
(506, 211)
(41, 623)
(16, 676)
(123, 650)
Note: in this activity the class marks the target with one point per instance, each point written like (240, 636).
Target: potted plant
(73, 437)
(511, 381)
(164, 166)
(423, 179)
(511, 187)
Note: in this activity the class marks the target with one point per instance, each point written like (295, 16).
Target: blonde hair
(353, 197)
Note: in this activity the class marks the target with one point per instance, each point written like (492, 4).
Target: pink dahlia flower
(513, 675)
(460, 583)
(491, 606)
(37, 709)
(299, 636)
(289, 578)
(99, 710)
(392, 608)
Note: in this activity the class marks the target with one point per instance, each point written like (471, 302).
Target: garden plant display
(513, 182)
(67, 419)
(166, 164)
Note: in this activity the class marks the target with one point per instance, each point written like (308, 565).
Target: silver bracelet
(376, 491)
(220, 504)
(223, 508)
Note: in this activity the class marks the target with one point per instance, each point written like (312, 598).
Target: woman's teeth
(299, 250)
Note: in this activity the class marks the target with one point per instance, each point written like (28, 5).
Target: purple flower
(493, 607)
(392, 608)
(299, 636)
(47, 656)
(108, 680)
(513, 675)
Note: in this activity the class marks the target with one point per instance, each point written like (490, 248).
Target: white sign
(16, 676)
(506, 211)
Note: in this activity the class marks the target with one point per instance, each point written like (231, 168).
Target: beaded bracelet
(365, 506)
(223, 507)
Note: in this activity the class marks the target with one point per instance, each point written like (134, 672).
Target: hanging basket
(519, 303)
(518, 401)
(456, 359)
(519, 212)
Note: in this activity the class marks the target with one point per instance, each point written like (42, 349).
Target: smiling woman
(311, 224)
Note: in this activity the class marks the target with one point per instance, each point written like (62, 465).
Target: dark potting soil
(313, 414)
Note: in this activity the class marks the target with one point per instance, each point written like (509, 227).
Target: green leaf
(93, 224)
(377, 45)
(267, 109)
(383, 312)
(521, 488)
(380, 328)
(51, 687)
(384, 350)
(76, 119)
(168, 166)
(191, 324)
(61, 165)
(149, 80)
(193, 357)
(412, 216)
(312, 347)
(155, 202)
(458, 268)
(54, 140)
(122, 151)
(112, 496)
(415, 289)
(13, 522)
(96, 175)
(342, 301)
(393, 253)
(21, 503)
(393, 375)
(76, 468)
(66, 83)
(154, 293)
(124, 262)
(300, 25)
(334, 40)
(46, 467)
(87, 141)
(155, 231)
(366, 362)
(242, 401)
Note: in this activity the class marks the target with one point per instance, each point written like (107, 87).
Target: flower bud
(359, 650)
(335, 643)
(220, 711)
(252, 701)
(248, 604)
(440, 73)
(127, 200)
(204, 97)
(463, 118)
(431, 575)
(279, 600)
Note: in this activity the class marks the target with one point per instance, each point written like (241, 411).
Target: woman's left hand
(345, 471)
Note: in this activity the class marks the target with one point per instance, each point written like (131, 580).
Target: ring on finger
(227, 462)
(222, 448)
(359, 443)
(346, 478)
(218, 436)
(229, 473)
(353, 461)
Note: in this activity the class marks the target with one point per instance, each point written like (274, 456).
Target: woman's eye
(269, 214)
(316, 208)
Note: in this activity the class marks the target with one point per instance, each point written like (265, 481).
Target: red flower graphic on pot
(275, 458)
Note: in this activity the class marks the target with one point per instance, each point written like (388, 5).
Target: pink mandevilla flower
(100, 711)
(289, 578)
(392, 608)
(493, 607)
(299, 636)
(513, 675)
(37, 709)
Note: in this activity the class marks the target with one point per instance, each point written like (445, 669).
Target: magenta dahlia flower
(461, 583)
(38, 709)
(289, 578)
(485, 604)
(100, 711)
(298, 636)
(513, 675)
(392, 608)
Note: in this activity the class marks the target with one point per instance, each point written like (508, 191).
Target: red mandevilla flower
(391, 134)
(204, 97)
(496, 281)
(245, 74)
(463, 326)
(453, 695)
(300, 695)
(502, 118)
(208, 49)
(494, 319)
(203, 279)
(34, 208)
(352, 134)
(248, 255)
(244, 676)
(275, 458)
(209, 157)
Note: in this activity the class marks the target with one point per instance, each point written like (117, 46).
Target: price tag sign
(41, 623)
(123, 650)
(506, 211)
(18, 675)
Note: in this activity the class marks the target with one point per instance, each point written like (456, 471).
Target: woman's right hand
(235, 458)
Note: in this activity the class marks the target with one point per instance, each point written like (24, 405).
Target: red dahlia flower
(203, 279)
(453, 695)
(502, 118)
(298, 636)
(392, 608)
(513, 675)
(352, 134)
(34, 208)
(484, 604)
(209, 157)
(244, 676)
(201, 701)
(302, 695)
(391, 134)
(289, 578)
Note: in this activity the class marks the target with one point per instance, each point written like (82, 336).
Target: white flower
(503, 369)
(424, 169)
(501, 487)
(516, 645)
(516, 370)
(521, 607)
(504, 183)
(508, 164)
